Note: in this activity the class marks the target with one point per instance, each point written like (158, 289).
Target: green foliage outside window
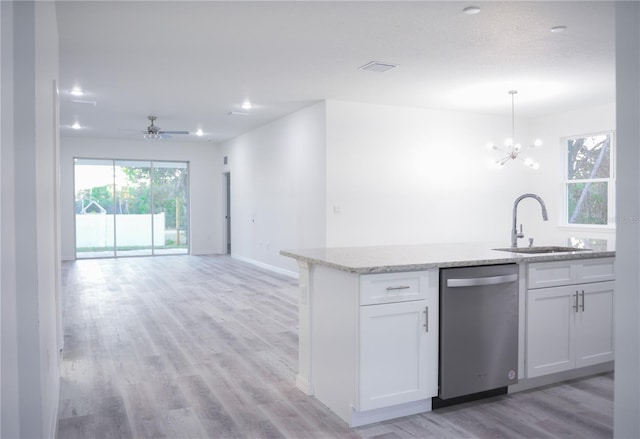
(161, 189)
(588, 179)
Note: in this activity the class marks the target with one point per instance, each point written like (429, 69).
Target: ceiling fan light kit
(156, 133)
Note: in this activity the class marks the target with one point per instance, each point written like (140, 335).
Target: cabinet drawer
(597, 270)
(560, 273)
(551, 274)
(393, 287)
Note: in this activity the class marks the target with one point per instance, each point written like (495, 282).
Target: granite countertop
(386, 259)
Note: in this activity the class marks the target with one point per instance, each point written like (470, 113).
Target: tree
(588, 160)
(103, 195)
(164, 187)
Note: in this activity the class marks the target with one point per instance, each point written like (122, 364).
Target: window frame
(611, 183)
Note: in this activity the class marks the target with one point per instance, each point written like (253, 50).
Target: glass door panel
(94, 208)
(170, 207)
(134, 198)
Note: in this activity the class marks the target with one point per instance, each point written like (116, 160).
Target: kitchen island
(369, 318)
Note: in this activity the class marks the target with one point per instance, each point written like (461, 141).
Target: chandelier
(511, 148)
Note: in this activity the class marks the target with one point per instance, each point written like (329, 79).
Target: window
(589, 180)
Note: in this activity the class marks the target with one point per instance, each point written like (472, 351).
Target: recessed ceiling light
(247, 106)
(76, 126)
(556, 29)
(199, 132)
(76, 91)
(375, 66)
(471, 10)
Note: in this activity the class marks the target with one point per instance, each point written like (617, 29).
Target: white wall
(399, 175)
(30, 252)
(627, 304)
(278, 178)
(393, 175)
(206, 215)
(548, 182)
(10, 413)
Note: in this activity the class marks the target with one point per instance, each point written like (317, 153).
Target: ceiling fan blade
(173, 132)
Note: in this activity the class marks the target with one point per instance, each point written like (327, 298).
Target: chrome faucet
(514, 230)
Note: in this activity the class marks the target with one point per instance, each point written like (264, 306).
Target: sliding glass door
(131, 208)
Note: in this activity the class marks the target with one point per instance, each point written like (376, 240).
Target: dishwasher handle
(480, 281)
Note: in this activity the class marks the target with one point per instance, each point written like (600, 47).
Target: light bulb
(199, 132)
(538, 142)
(536, 165)
(76, 91)
(508, 141)
(76, 126)
(152, 136)
(247, 106)
(517, 147)
(528, 162)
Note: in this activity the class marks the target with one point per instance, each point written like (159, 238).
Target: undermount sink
(545, 249)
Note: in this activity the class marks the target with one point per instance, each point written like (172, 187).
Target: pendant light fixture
(511, 148)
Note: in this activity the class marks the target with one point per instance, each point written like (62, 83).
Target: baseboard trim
(304, 385)
(266, 266)
(52, 425)
(384, 414)
(555, 378)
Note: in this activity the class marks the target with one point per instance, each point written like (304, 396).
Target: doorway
(226, 184)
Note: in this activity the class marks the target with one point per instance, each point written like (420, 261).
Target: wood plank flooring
(206, 347)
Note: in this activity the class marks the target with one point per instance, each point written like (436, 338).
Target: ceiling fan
(154, 132)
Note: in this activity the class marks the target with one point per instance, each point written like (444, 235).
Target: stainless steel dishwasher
(478, 329)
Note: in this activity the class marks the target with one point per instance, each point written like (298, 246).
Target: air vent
(237, 113)
(375, 66)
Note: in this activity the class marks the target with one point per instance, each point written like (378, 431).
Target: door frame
(226, 209)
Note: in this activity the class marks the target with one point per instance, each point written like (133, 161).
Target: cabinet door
(550, 315)
(594, 324)
(398, 353)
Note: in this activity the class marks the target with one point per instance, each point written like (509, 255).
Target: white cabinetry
(569, 315)
(375, 343)
(398, 340)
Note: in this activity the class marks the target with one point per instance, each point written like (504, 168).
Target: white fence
(96, 230)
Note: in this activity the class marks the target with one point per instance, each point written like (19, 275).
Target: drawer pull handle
(401, 287)
(481, 281)
(582, 301)
(575, 305)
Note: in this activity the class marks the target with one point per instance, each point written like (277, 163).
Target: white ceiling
(191, 63)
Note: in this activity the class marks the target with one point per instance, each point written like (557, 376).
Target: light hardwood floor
(206, 347)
